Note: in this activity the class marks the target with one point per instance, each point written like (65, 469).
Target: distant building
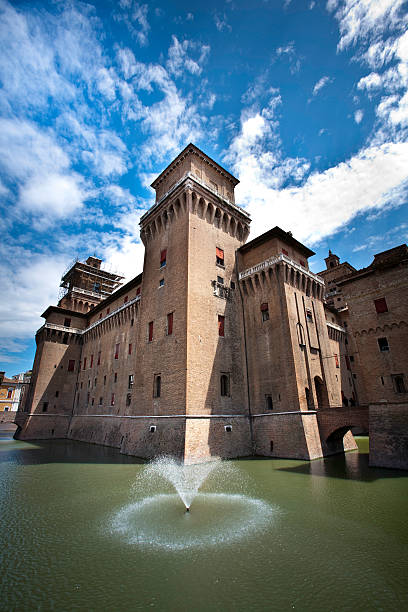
(221, 347)
(12, 391)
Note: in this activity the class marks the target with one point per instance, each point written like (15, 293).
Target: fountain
(162, 516)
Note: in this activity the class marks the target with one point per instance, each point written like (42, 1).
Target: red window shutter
(381, 305)
(117, 351)
(71, 365)
(91, 361)
(348, 362)
(107, 311)
(219, 253)
(336, 359)
(163, 256)
(130, 349)
(138, 291)
(100, 316)
(150, 331)
(169, 323)
(221, 321)
(85, 363)
(264, 306)
(125, 299)
(284, 251)
(302, 263)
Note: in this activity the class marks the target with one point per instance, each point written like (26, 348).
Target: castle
(221, 347)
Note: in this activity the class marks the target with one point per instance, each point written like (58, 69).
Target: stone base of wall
(389, 435)
(42, 427)
(7, 416)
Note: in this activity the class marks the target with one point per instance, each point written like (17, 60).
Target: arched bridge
(335, 422)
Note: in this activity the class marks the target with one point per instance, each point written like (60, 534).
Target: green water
(327, 535)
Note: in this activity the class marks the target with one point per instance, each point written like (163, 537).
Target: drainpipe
(246, 358)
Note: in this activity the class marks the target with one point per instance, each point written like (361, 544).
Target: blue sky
(305, 101)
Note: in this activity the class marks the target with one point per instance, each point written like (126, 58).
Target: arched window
(157, 386)
(225, 386)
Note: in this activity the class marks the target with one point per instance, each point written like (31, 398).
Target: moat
(326, 535)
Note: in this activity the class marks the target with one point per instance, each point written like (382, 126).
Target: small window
(91, 361)
(265, 311)
(128, 399)
(228, 428)
(125, 299)
(151, 331)
(225, 385)
(269, 402)
(170, 324)
(45, 407)
(284, 251)
(152, 428)
(221, 325)
(9, 393)
(100, 315)
(84, 363)
(232, 285)
(115, 378)
(347, 362)
(107, 311)
(67, 322)
(104, 380)
(351, 358)
(161, 282)
(71, 365)
(130, 381)
(99, 358)
(219, 256)
(309, 316)
(302, 263)
(93, 401)
(398, 382)
(130, 349)
(380, 305)
(220, 280)
(56, 393)
(163, 258)
(116, 351)
(157, 386)
(97, 287)
(112, 399)
(132, 322)
(383, 344)
(336, 360)
(100, 401)
(138, 291)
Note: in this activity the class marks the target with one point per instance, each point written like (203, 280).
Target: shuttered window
(380, 305)
(163, 257)
(219, 255)
(150, 331)
(169, 323)
(221, 321)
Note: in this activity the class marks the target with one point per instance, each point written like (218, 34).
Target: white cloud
(326, 201)
(179, 60)
(221, 22)
(371, 81)
(358, 116)
(289, 52)
(134, 15)
(325, 80)
(60, 194)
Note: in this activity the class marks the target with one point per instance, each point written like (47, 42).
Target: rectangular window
(84, 363)
(309, 316)
(115, 377)
(99, 358)
(113, 399)
(116, 351)
(128, 399)
(100, 315)
(163, 258)
(93, 401)
(67, 322)
(383, 344)
(71, 365)
(221, 322)
(302, 263)
(169, 323)
(56, 393)
(265, 311)
(9, 393)
(399, 383)
(138, 291)
(130, 349)
(125, 299)
(100, 401)
(45, 407)
(336, 360)
(161, 282)
(284, 251)
(225, 385)
(220, 280)
(219, 256)
(87, 397)
(151, 331)
(130, 381)
(157, 385)
(104, 380)
(107, 311)
(347, 362)
(380, 305)
(91, 361)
